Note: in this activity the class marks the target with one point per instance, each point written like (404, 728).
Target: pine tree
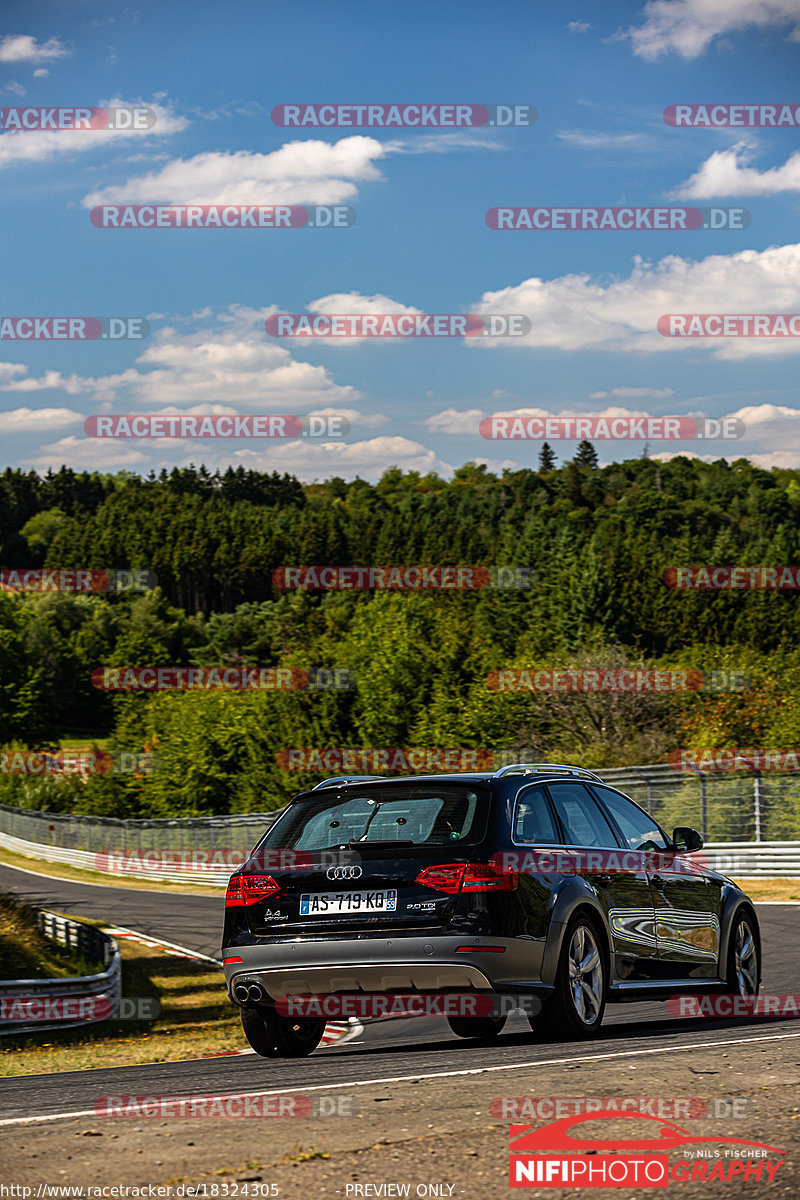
(586, 455)
(547, 459)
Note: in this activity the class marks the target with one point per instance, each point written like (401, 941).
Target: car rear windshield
(430, 815)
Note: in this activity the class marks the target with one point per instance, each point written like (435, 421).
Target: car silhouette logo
(555, 1136)
(344, 872)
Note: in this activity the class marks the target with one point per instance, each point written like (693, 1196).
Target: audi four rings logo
(344, 872)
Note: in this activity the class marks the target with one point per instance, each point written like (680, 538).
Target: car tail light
(249, 889)
(468, 877)
(446, 878)
(489, 877)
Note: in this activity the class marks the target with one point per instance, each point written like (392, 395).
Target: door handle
(658, 881)
(603, 880)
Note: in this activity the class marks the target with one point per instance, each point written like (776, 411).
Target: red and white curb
(340, 1032)
(120, 933)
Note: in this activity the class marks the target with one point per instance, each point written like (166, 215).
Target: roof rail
(543, 768)
(344, 779)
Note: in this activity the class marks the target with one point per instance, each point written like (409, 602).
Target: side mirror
(685, 840)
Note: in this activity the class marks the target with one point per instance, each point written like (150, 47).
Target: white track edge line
(148, 937)
(321, 1087)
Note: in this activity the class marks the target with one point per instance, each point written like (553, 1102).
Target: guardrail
(741, 860)
(65, 1003)
(754, 860)
(202, 850)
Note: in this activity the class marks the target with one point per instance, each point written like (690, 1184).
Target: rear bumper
(322, 967)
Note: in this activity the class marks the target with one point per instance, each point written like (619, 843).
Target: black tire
(273, 1036)
(575, 1009)
(743, 973)
(485, 1028)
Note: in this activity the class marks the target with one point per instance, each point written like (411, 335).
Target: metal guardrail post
(757, 802)
(648, 780)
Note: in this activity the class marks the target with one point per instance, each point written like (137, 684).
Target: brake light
(453, 878)
(489, 877)
(249, 889)
(446, 878)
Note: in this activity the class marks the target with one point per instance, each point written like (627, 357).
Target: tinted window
(533, 819)
(336, 816)
(584, 823)
(639, 830)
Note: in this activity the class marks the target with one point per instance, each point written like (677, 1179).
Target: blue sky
(599, 79)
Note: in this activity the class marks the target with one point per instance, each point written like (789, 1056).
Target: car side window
(639, 830)
(533, 819)
(579, 813)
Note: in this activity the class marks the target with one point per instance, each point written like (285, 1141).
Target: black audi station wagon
(537, 879)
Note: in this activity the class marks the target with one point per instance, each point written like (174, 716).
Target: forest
(593, 546)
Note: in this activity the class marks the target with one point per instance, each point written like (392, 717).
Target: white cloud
(15, 88)
(302, 172)
(41, 73)
(771, 438)
(726, 173)
(35, 145)
(497, 465)
(237, 365)
(25, 420)
(603, 141)
(633, 393)
(445, 143)
(766, 431)
(454, 420)
(350, 303)
(579, 27)
(319, 460)
(92, 454)
(20, 47)
(688, 27)
(574, 312)
(232, 363)
(14, 378)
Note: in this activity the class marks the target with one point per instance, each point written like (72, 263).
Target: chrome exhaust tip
(241, 993)
(255, 993)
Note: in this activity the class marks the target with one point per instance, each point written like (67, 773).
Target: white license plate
(320, 904)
